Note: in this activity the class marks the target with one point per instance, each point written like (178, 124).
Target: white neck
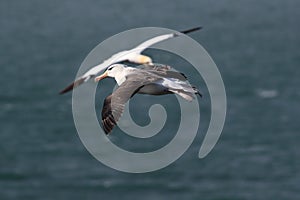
(121, 76)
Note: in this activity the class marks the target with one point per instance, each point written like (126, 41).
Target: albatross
(133, 55)
(152, 79)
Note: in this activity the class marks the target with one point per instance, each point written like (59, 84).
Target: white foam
(267, 93)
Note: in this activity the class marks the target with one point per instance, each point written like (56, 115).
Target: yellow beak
(102, 76)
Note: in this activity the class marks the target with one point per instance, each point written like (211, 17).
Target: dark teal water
(256, 47)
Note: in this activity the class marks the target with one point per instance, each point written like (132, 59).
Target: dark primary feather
(72, 85)
(191, 30)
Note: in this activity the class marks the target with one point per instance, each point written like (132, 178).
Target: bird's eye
(109, 68)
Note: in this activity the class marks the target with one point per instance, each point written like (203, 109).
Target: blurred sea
(256, 46)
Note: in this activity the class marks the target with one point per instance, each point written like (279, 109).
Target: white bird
(151, 79)
(133, 55)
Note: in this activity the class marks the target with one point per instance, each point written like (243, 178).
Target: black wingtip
(191, 30)
(72, 86)
(67, 89)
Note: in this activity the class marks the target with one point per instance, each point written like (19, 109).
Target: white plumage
(133, 55)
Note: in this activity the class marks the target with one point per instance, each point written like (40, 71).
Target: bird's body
(133, 55)
(151, 79)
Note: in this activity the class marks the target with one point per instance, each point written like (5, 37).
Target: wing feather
(164, 71)
(114, 104)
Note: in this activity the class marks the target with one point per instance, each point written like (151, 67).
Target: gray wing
(113, 106)
(164, 71)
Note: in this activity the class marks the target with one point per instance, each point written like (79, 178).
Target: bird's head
(112, 71)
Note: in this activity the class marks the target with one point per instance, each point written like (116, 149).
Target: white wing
(118, 57)
(122, 56)
(141, 47)
(125, 55)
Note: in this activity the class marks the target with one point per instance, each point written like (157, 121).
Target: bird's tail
(189, 96)
(188, 93)
(197, 91)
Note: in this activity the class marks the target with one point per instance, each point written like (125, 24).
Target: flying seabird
(151, 79)
(133, 55)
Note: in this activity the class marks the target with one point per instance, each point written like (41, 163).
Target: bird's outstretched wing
(114, 104)
(118, 57)
(121, 56)
(141, 47)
